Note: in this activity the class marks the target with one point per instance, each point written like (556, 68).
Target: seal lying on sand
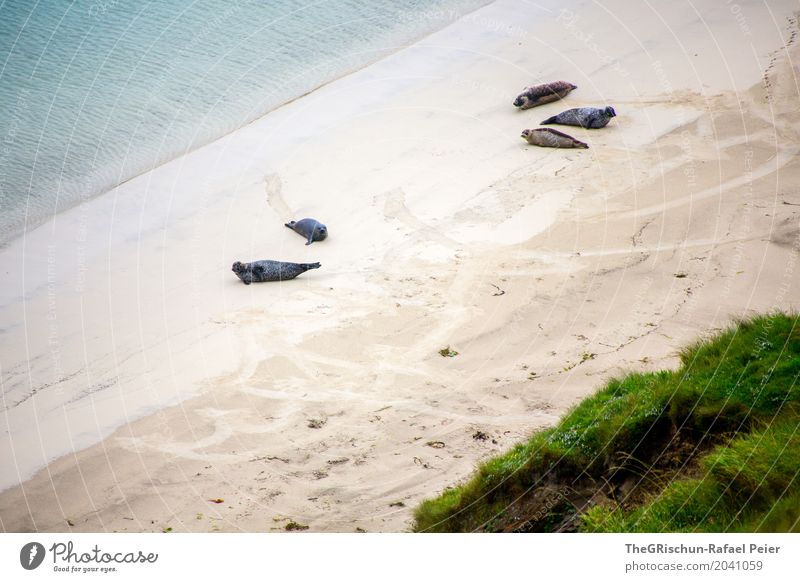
(260, 271)
(551, 138)
(541, 94)
(310, 229)
(589, 117)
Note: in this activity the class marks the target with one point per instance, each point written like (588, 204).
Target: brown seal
(541, 94)
(551, 138)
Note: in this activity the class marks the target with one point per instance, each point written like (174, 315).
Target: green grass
(712, 446)
(741, 488)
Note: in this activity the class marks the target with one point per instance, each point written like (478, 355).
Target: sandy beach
(144, 387)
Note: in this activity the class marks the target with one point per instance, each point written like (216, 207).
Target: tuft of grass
(707, 447)
(740, 488)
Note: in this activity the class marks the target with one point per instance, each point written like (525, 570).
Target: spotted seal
(588, 117)
(310, 229)
(551, 138)
(541, 94)
(260, 271)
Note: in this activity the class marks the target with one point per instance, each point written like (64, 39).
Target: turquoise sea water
(93, 92)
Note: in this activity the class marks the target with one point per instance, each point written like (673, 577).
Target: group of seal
(314, 231)
(586, 117)
(267, 270)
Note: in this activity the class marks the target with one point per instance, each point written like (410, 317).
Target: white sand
(151, 380)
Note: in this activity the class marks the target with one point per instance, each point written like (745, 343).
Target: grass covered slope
(712, 446)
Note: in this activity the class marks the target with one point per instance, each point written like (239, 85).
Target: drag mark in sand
(782, 158)
(196, 449)
(394, 208)
(658, 248)
(274, 187)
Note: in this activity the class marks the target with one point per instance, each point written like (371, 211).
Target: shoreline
(316, 399)
(387, 52)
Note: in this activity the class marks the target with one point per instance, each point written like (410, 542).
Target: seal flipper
(310, 237)
(550, 120)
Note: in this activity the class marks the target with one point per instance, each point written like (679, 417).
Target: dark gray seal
(541, 94)
(551, 138)
(260, 271)
(310, 229)
(588, 117)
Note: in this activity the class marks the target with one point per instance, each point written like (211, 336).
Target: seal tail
(550, 120)
(312, 266)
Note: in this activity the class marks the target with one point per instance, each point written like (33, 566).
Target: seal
(588, 117)
(541, 94)
(261, 271)
(551, 138)
(310, 229)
